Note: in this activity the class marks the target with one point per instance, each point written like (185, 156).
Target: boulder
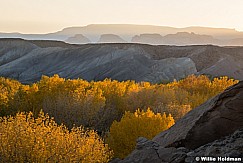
(218, 117)
(214, 129)
(149, 151)
(229, 147)
(146, 151)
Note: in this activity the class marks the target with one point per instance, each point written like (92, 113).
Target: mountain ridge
(128, 31)
(27, 61)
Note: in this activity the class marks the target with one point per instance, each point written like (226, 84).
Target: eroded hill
(27, 61)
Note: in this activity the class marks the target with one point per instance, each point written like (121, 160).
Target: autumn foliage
(26, 139)
(97, 104)
(123, 134)
(107, 107)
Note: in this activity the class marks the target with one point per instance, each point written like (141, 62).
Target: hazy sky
(42, 16)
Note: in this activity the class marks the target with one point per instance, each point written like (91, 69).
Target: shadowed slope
(27, 61)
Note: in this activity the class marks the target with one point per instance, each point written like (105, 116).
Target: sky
(45, 16)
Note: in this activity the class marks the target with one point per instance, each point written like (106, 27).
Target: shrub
(96, 105)
(123, 134)
(8, 89)
(177, 111)
(26, 139)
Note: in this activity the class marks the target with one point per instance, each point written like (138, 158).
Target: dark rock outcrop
(216, 118)
(229, 146)
(213, 129)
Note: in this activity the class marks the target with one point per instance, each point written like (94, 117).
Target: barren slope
(27, 61)
(90, 62)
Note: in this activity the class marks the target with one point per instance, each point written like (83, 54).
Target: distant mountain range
(146, 34)
(28, 60)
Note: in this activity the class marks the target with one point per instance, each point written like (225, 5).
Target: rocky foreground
(210, 132)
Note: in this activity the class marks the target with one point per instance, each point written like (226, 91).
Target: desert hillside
(122, 81)
(27, 61)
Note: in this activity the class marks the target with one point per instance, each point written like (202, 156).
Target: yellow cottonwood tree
(8, 89)
(97, 104)
(26, 139)
(123, 134)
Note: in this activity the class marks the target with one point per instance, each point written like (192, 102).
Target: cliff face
(213, 129)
